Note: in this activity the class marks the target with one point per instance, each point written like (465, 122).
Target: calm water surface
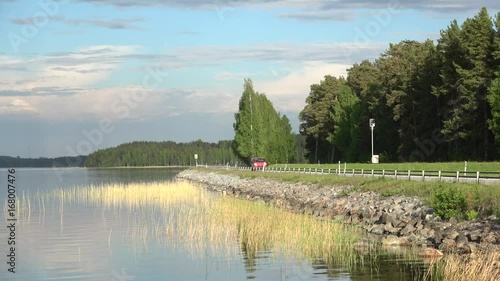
(82, 242)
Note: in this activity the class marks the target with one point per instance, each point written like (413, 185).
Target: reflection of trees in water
(249, 259)
(180, 215)
(378, 266)
(252, 255)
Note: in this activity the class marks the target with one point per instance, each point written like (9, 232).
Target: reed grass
(180, 214)
(483, 266)
(183, 214)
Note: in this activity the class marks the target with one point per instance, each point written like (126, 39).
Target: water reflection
(140, 231)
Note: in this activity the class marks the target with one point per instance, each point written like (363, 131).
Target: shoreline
(397, 220)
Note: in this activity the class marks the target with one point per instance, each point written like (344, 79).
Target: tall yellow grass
(180, 214)
(183, 214)
(482, 266)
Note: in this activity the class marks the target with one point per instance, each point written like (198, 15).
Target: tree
(244, 139)
(260, 130)
(168, 153)
(466, 75)
(494, 101)
(316, 119)
(408, 74)
(494, 89)
(346, 115)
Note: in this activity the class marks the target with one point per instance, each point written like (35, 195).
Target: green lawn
(444, 166)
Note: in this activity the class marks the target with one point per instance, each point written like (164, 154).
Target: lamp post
(372, 126)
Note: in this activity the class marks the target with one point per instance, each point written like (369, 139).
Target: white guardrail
(417, 175)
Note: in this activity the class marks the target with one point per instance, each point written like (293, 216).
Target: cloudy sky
(77, 76)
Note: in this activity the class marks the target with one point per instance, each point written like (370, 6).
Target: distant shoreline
(42, 162)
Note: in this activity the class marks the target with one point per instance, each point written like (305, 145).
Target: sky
(77, 76)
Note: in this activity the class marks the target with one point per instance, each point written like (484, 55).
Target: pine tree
(346, 115)
(316, 119)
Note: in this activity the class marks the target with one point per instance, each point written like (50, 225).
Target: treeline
(17, 162)
(430, 102)
(167, 153)
(262, 131)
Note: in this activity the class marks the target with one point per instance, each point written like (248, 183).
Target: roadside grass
(467, 198)
(443, 166)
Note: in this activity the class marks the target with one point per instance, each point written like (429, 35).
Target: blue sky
(77, 76)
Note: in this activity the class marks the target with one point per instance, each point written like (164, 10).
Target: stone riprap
(397, 220)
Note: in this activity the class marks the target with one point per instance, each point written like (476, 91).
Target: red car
(258, 163)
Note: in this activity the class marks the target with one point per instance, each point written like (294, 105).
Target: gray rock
(461, 240)
(377, 229)
(407, 230)
(405, 216)
(448, 245)
(474, 236)
(450, 233)
(393, 240)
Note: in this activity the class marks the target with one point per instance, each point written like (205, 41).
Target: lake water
(89, 242)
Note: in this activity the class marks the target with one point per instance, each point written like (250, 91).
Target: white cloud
(82, 68)
(58, 86)
(289, 93)
(124, 103)
(220, 6)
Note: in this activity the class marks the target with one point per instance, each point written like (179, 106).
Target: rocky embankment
(398, 220)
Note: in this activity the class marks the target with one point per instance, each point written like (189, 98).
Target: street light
(372, 126)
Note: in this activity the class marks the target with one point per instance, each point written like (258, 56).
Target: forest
(42, 162)
(431, 101)
(166, 153)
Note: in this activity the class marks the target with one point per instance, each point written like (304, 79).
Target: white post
(458, 175)
(477, 176)
(465, 169)
(409, 175)
(372, 142)
(339, 167)
(423, 175)
(372, 125)
(439, 175)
